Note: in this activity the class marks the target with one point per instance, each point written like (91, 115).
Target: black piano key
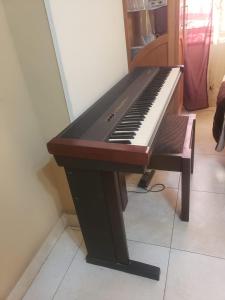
(142, 104)
(148, 98)
(139, 109)
(116, 133)
(133, 119)
(123, 133)
(121, 142)
(121, 137)
(122, 125)
(133, 109)
(129, 123)
(143, 113)
(142, 107)
(128, 128)
(134, 115)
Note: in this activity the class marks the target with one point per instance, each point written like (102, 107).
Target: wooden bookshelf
(165, 30)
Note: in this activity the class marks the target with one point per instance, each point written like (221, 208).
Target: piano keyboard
(140, 124)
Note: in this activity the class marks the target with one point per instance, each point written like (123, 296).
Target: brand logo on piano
(118, 109)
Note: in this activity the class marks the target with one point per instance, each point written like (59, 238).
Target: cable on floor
(156, 188)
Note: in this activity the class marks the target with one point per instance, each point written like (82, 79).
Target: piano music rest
(174, 151)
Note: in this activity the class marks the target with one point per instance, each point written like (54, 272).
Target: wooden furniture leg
(185, 192)
(193, 147)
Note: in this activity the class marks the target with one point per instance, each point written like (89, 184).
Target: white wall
(29, 200)
(31, 34)
(29, 28)
(32, 109)
(89, 40)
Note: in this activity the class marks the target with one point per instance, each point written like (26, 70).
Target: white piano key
(149, 127)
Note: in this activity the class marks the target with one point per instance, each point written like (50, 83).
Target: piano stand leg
(133, 267)
(97, 198)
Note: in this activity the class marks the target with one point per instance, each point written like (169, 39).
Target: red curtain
(197, 39)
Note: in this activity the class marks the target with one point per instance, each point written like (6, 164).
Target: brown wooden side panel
(154, 54)
(100, 151)
(173, 32)
(176, 103)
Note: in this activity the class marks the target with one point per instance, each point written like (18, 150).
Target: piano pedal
(146, 179)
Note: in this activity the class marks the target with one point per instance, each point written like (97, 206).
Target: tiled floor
(191, 255)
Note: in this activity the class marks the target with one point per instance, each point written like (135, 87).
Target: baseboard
(35, 265)
(72, 220)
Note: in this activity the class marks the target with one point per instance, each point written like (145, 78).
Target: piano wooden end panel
(91, 151)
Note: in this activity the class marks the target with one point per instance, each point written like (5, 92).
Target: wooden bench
(174, 151)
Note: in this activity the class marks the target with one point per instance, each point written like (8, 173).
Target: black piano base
(133, 267)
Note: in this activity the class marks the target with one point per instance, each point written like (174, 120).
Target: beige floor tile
(205, 231)
(195, 277)
(149, 217)
(88, 282)
(209, 174)
(55, 267)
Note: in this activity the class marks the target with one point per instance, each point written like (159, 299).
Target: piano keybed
(140, 124)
